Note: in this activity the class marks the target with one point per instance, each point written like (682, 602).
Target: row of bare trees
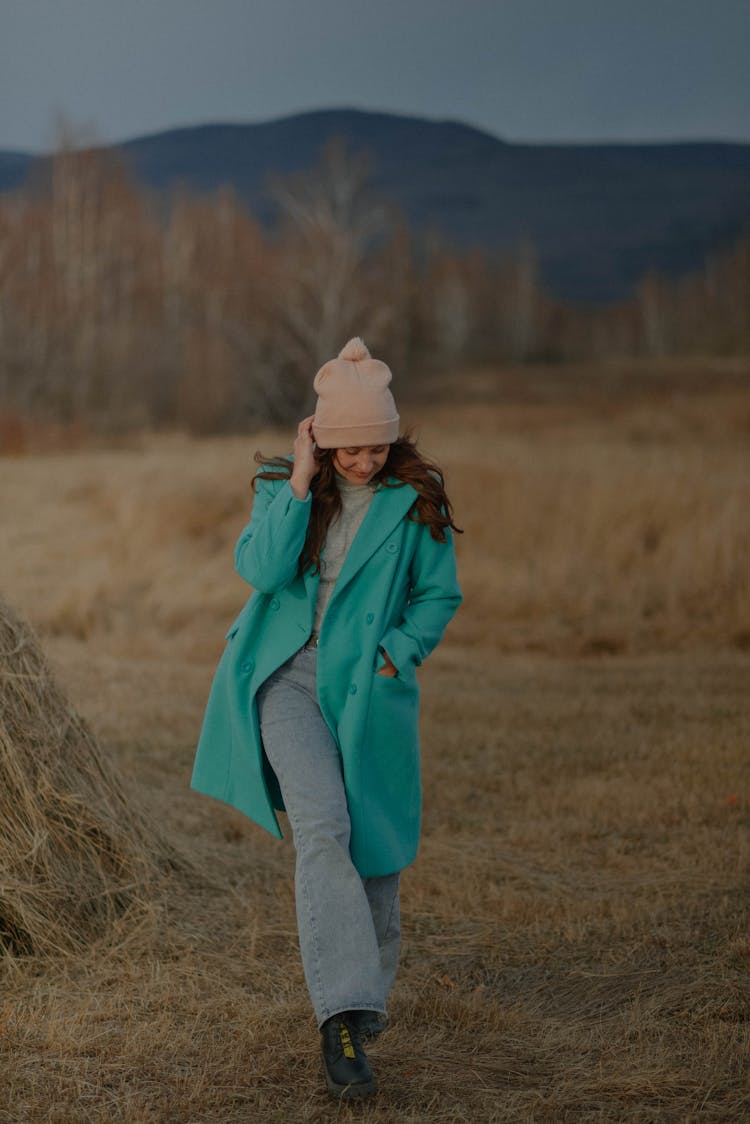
(123, 309)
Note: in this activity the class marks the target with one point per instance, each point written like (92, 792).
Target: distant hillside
(599, 215)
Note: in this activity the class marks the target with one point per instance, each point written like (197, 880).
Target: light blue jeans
(349, 927)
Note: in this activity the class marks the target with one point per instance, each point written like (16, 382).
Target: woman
(314, 706)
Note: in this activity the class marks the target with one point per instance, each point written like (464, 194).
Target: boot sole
(347, 1092)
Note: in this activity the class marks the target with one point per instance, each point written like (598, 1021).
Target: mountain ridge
(599, 215)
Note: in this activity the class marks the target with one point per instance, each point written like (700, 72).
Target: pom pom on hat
(355, 350)
(355, 406)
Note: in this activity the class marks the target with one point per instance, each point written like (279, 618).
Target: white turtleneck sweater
(355, 500)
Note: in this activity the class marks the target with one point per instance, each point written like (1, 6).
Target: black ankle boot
(369, 1023)
(347, 1069)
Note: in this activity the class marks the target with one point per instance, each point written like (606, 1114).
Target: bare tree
(335, 275)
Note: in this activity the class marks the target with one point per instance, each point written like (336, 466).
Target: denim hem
(364, 1006)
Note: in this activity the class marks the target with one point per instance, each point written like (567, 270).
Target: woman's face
(359, 464)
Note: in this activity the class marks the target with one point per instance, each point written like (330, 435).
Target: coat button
(248, 665)
(275, 602)
(391, 548)
(353, 689)
(370, 618)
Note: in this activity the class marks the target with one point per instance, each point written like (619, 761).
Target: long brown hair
(404, 462)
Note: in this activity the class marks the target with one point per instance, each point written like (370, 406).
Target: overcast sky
(527, 70)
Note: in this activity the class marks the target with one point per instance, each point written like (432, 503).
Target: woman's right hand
(305, 464)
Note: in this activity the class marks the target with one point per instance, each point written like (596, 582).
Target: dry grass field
(576, 938)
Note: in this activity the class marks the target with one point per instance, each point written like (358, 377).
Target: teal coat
(397, 588)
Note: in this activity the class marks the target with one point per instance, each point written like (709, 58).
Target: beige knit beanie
(355, 406)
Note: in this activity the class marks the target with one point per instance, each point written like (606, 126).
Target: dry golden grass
(576, 940)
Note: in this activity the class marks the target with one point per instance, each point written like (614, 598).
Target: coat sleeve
(433, 599)
(268, 549)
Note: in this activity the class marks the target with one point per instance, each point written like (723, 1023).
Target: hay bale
(75, 854)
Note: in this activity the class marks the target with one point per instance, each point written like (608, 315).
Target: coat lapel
(388, 507)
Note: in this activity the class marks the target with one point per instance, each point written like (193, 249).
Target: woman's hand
(389, 668)
(305, 464)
